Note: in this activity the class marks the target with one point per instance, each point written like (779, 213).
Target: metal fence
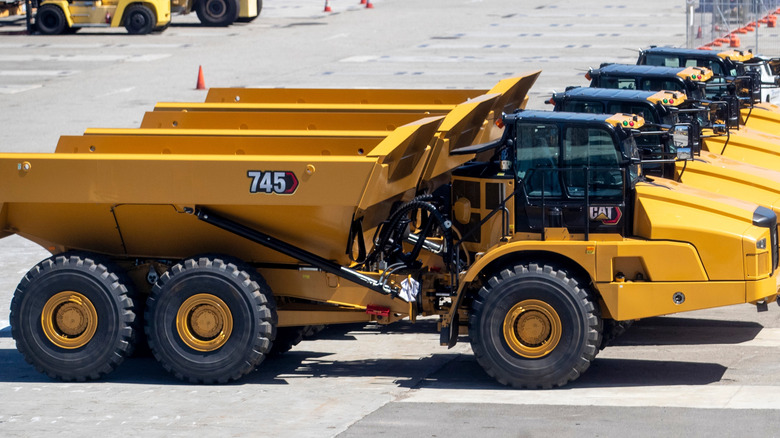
(738, 24)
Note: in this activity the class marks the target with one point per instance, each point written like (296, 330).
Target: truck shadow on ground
(687, 331)
(444, 368)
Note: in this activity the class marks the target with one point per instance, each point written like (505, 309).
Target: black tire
(238, 325)
(139, 20)
(250, 19)
(217, 12)
(73, 318)
(286, 339)
(562, 327)
(50, 20)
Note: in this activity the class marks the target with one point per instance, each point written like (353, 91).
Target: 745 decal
(272, 181)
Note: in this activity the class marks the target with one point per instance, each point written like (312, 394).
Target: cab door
(571, 177)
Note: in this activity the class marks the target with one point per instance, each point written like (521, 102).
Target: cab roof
(652, 71)
(606, 93)
(639, 70)
(583, 118)
(734, 55)
(623, 95)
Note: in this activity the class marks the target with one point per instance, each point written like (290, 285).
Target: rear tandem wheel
(208, 321)
(534, 327)
(72, 317)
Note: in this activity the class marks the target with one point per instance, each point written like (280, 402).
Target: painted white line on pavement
(28, 73)
(13, 89)
(83, 58)
(699, 397)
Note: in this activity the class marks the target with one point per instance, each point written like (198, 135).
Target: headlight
(761, 244)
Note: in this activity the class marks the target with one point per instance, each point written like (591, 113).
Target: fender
(579, 252)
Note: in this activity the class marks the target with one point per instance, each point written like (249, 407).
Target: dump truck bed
(126, 192)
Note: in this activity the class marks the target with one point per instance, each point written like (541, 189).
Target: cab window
(537, 159)
(664, 60)
(654, 84)
(594, 149)
(621, 83)
(583, 107)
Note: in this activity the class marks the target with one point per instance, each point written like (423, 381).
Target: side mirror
(683, 142)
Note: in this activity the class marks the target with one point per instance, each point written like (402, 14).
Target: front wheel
(139, 20)
(217, 12)
(534, 327)
(50, 20)
(209, 321)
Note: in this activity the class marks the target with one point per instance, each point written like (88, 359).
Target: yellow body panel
(699, 74)
(718, 174)
(247, 8)
(736, 55)
(274, 120)
(635, 300)
(670, 98)
(763, 117)
(749, 145)
(666, 210)
(433, 109)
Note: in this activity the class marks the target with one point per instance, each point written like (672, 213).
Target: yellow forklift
(56, 17)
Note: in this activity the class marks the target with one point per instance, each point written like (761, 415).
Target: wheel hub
(69, 320)
(532, 328)
(216, 8)
(204, 322)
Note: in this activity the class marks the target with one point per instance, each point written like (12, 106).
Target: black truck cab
(574, 171)
(725, 63)
(689, 80)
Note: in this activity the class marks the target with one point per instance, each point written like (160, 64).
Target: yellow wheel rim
(204, 322)
(69, 320)
(532, 328)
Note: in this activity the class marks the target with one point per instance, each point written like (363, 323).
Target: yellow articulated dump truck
(220, 242)
(138, 17)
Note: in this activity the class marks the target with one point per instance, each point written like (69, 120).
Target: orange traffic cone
(734, 40)
(369, 5)
(362, 2)
(698, 34)
(327, 6)
(201, 85)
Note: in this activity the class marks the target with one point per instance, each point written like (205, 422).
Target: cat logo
(606, 215)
